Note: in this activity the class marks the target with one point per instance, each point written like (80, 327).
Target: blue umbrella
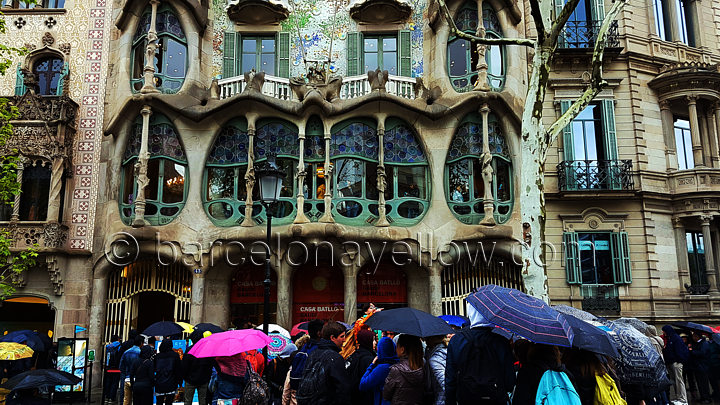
(592, 337)
(410, 321)
(700, 328)
(522, 314)
(163, 328)
(456, 320)
(27, 337)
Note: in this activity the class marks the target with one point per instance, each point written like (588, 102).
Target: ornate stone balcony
(51, 235)
(258, 12)
(380, 11)
(700, 179)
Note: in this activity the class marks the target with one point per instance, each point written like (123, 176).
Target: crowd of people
(473, 366)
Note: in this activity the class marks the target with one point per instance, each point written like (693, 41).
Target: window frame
(696, 260)
(381, 53)
(621, 266)
(686, 158)
(258, 51)
(42, 5)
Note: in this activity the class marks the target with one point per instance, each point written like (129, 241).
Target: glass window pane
(390, 186)
(268, 46)
(248, 62)
(478, 191)
(390, 62)
(659, 19)
(459, 176)
(411, 181)
(494, 61)
(176, 59)
(128, 191)
(371, 61)
(287, 166)
(268, 64)
(457, 56)
(249, 45)
(371, 181)
(173, 182)
(35, 192)
(502, 177)
(370, 45)
(6, 211)
(138, 60)
(220, 183)
(595, 258)
(350, 173)
(389, 44)
(151, 190)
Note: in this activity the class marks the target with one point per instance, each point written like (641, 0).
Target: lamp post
(270, 182)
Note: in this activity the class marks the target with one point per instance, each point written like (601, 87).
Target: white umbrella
(273, 328)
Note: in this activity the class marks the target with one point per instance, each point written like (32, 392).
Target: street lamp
(270, 181)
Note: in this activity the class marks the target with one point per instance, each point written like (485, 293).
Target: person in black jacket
(168, 373)
(324, 379)
(276, 373)
(142, 377)
(359, 361)
(676, 354)
(540, 358)
(196, 373)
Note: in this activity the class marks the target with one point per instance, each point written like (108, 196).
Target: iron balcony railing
(582, 34)
(603, 298)
(595, 175)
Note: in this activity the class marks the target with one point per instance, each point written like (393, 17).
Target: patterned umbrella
(522, 314)
(277, 345)
(14, 351)
(635, 323)
(639, 362)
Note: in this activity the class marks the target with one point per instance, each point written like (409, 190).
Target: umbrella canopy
(593, 337)
(40, 378)
(456, 320)
(577, 313)
(163, 328)
(209, 327)
(639, 362)
(273, 328)
(278, 344)
(14, 351)
(410, 321)
(301, 327)
(715, 335)
(26, 337)
(230, 343)
(187, 328)
(639, 325)
(522, 314)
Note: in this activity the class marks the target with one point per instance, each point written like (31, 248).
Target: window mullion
(161, 180)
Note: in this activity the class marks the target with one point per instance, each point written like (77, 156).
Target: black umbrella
(163, 328)
(699, 328)
(410, 321)
(26, 337)
(209, 327)
(593, 338)
(40, 378)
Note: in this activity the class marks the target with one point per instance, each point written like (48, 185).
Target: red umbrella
(301, 327)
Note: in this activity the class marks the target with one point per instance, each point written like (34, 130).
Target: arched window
(462, 55)
(170, 56)
(354, 154)
(49, 71)
(406, 167)
(314, 186)
(166, 192)
(464, 183)
(279, 139)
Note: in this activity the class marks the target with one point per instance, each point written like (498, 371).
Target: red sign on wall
(247, 286)
(387, 285)
(318, 293)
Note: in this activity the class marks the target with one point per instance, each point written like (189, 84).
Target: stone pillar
(705, 139)
(693, 14)
(717, 124)
(668, 129)
(300, 217)
(141, 167)
(681, 252)
(381, 175)
(482, 67)
(487, 171)
(96, 326)
(713, 135)
(54, 197)
(350, 273)
(250, 177)
(284, 294)
(327, 177)
(197, 302)
(435, 287)
(673, 15)
(149, 69)
(695, 131)
(709, 258)
(22, 161)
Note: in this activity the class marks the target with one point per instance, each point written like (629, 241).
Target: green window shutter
(228, 55)
(620, 258)
(283, 54)
(572, 258)
(405, 53)
(354, 51)
(597, 10)
(20, 88)
(61, 80)
(568, 144)
(610, 140)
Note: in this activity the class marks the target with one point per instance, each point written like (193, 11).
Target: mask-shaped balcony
(380, 11)
(258, 12)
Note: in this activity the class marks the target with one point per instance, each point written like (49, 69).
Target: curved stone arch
(41, 53)
(197, 9)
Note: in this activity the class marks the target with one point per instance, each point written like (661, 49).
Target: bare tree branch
(597, 83)
(480, 40)
(538, 19)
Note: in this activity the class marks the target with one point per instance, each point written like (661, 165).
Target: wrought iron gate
(462, 278)
(144, 276)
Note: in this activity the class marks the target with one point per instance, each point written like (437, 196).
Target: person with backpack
(142, 377)
(374, 378)
(699, 363)
(592, 382)
(542, 379)
(436, 358)
(480, 365)
(288, 395)
(297, 366)
(676, 354)
(405, 383)
(111, 380)
(127, 362)
(168, 373)
(232, 377)
(196, 373)
(276, 373)
(324, 379)
(357, 363)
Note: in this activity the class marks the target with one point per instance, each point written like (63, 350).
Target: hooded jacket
(357, 363)
(142, 375)
(437, 359)
(528, 380)
(403, 385)
(374, 378)
(168, 369)
(675, 349)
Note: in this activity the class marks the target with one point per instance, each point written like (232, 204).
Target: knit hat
(365, 338)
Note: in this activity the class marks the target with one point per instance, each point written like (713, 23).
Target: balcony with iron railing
(600, 298)
(589, 175)
(352, 87)
(582, 35)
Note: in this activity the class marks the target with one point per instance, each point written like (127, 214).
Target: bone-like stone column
(487, 171)
(327, 176)
(250, 177)
(300, 217)
(381, 175)
(141, 167)
(152, 38)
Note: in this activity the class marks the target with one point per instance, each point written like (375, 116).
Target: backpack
(430, 384)
(606, 392)
(298, 364)
(256, 389)
(314, 386)
(478, 380)
(555, 388)
(113, 357)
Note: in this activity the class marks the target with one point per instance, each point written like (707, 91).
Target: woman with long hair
(405, 382)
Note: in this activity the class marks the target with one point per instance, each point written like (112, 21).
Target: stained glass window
(402, 147)
(314, 148)
(276, 138)
(230, 147)
(162, 141)
(357, 139)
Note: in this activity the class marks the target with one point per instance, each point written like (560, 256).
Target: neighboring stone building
(58, 89)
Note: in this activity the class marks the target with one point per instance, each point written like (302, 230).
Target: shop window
(264, 53)
(171, 54)
(683, 144)
(464, 188)
(597, 258)
(463, 56)
(391, 52)
(166, 191)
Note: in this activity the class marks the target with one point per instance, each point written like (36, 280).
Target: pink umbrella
(230, 343)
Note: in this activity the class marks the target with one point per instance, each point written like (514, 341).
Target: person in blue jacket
(375, 375)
